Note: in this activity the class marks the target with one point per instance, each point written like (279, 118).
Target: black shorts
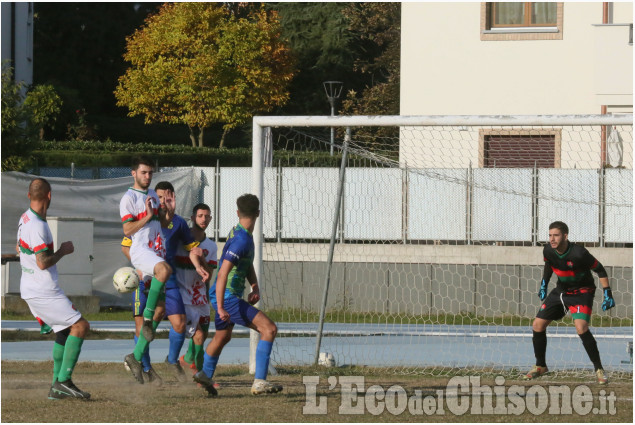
(579, 302)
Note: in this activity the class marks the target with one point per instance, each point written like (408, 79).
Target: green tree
(199, 64)
(24, 118)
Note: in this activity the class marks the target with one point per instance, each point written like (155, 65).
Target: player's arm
(130, 226)
(221, 284)
(196, 257)
(608, 302)
(125, 247)
(45, 258)
(254, 295)
(546, 276)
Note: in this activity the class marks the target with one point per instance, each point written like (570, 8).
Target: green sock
(155, 324)
(156, 288)
(58, 357)
(140, 348)
(189, 356)
(199, 356)
(71, 353)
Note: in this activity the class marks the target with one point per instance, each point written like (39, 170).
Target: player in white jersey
(40, 289)
(194, 288)
(139, 214)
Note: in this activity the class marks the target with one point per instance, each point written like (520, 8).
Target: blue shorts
(240, 312)
(173, 300)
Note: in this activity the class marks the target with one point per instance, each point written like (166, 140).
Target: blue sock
(209, 364)
(145, 360)
(176, 343)
(263, 354)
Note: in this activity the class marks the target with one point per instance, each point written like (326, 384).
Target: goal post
(437, 236)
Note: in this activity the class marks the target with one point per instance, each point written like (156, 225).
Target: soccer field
(311, 396)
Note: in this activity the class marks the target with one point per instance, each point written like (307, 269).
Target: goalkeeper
(573, 293)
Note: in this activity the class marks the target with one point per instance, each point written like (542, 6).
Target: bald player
(40, 289)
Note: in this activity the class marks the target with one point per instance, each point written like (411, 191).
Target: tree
(24, 118)
(199, 64)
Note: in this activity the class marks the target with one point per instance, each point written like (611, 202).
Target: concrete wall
(423, 289)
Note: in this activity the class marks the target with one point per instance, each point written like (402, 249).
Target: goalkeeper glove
(608, 302)
(543, 290)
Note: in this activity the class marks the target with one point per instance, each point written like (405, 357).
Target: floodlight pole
(333, 91)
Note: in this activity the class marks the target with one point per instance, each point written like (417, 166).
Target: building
(17, 39)
(519, 59)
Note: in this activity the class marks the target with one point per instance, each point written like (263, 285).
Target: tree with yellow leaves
(199, 64)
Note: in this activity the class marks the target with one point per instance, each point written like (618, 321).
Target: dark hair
(248, 205)
(164, 186)
(200, 206)
(39, 188)
(141, 160)
(560, 226)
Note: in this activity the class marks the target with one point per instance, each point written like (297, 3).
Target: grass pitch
(116, 397)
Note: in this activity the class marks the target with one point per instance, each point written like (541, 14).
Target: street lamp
(333, 91)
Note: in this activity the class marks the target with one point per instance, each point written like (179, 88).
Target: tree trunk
(201, 130)
(222, 139)
(192, 136)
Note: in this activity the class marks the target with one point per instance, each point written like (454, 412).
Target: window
(508, 15)
(519, 148)
(504, 21)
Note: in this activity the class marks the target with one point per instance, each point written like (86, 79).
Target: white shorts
(195, 315)
(145, 260)
(57, 312)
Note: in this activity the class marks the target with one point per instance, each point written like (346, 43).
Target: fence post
(72, 170)
(217, 201)
(534, 205)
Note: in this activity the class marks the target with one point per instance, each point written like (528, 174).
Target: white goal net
(428, 234)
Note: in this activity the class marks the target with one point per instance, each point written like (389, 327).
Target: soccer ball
(125, 280)
(326, 359)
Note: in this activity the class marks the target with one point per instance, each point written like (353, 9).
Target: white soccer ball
(125, 280)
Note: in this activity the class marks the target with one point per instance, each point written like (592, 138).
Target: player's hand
(170, 202)
(608, 302)
(66, 248)
(543, 290)
(254, 296)
(203, 273)
(224, 316)
(149, 209)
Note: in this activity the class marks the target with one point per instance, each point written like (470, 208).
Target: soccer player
(139, 214)
(40, 289)
(236, 266)
(177, 236)
(194, 288)
(573, 293)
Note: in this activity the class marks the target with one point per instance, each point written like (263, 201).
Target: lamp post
(333, 91)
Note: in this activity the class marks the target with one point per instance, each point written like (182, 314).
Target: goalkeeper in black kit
(573, 293)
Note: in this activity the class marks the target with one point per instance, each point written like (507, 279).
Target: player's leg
(70, 328)
(580, 305)
(199, 339)
(176, 315)
(162, 272)
(139, 297)
(551, 309)
(213, 350)
(268, 331)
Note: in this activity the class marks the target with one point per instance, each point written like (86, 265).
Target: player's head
(201, 216)
(248, 206)
(40, 191)
(142, 170)
(558, 235)
(161, 188)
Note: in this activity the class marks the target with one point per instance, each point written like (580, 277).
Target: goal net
(415, 243)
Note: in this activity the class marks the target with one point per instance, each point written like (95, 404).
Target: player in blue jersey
(175, 233)
(236, 266)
